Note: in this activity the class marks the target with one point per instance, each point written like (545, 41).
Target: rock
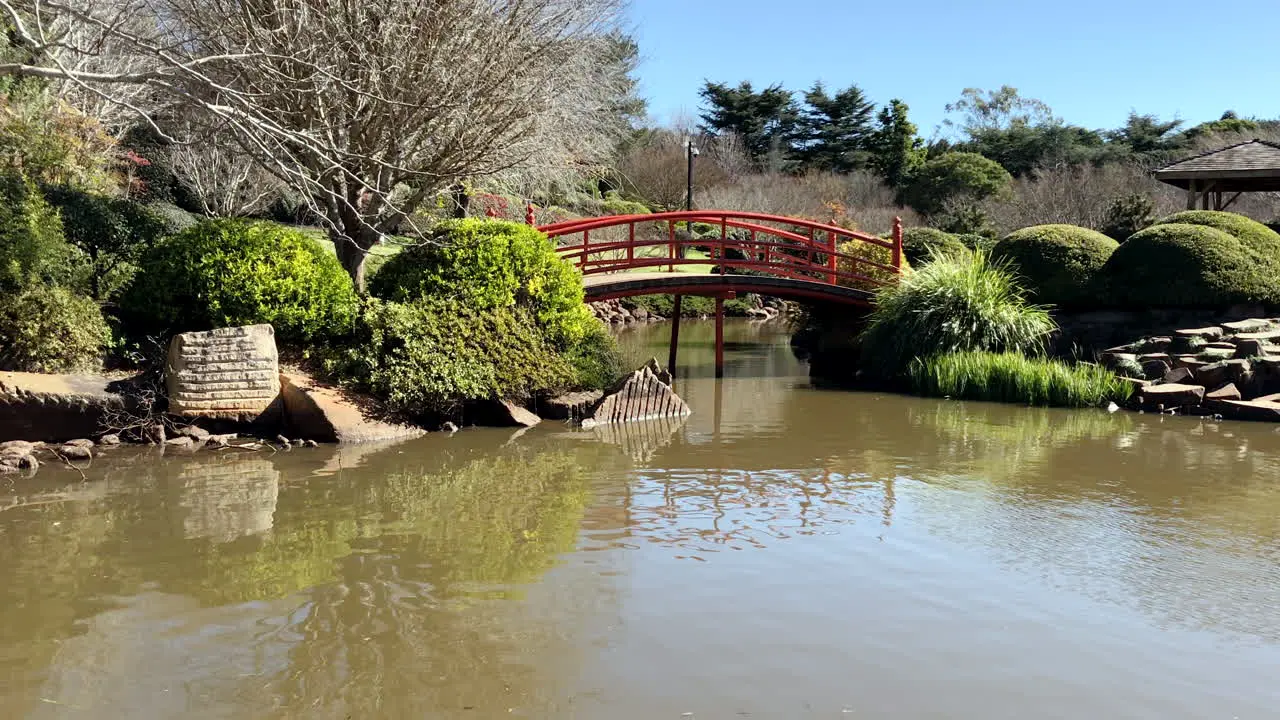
(643, 395)
(310, 443)
(1221, 346)
(569, 406)
(193, 432)
(1220, 373)
(1157, 344)
(1137, 383)
(1251, 348)
(1246, 326)
(501, 413)
(1272, 398)
(1170, 396)
(1190, 362)
(80, 442)
(328, 413)
(1226, 392)
(229, 373)
(16, 447)
(283, 441)
(1265, 335)
(56, 408)
(1208, 333)
(28, 462)
(109, 440)
(1249, 410)
(449, 427)
(1147, 357)
(1155, 369)
(75, 452)
(1178, 375)
(1244, 311)
(219, 441)
(181, 441)
(1215, 354)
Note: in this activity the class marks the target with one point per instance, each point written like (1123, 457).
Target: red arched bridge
(741, 252)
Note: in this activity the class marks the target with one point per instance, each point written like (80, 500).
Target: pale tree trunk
(352, 253)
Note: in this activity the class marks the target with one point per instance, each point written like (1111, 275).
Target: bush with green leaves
(919, 244)
(1015, 378)
(1257, 238)
(1058, 264)
(1181, 265)
(955, 177)
(491, 264)
(111, 232)
(427, 357)
(33, 250)
(173, 218)
(954, 304)
(232, 272)
(50, 329)
(1127, 215)
(596, 360)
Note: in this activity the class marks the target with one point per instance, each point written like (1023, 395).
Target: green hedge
(33, 250)
(232, 272)
(1181, 265)
(919, 244)
(50, 329)
(1058, 264)
(112, 233)
(1257, 237)
(491, 264)
(427, 357)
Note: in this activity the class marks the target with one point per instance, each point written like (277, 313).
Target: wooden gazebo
(1215, 179)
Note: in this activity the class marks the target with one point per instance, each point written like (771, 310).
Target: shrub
(232, 272)
(919, 244)
(953, 304)
(974, 241)
(1257, 237)
(692, 306)
(427, 357)
(1178, 265)
(596, 359)
(112, 232)
(50, 329)
(1058, 263)
(955, 176)
(173, 218)
(32, 247)
(876, 277)
(491, 264)
(1127, 215)
(1015, 378)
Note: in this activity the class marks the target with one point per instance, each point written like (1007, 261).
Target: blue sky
(1092, 61)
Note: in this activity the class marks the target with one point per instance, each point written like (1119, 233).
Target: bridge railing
(754, 242)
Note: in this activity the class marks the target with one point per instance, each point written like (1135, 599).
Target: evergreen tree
(835, 131)
(896, 150)
(766, 121)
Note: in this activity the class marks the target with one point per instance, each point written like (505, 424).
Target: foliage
(765, 121)
(492, 264)
(855, 252)
(988, 110)
(974, 241)
(1058, 263)
(173, 218)
(596, 360)
(1015, 378)
(425, 358)
(1257, 237)
(692, 306)
(33, 249)
(50, 329)
(897, 152)
(1181, 265)
(112, 232)
(1127, 215)
(52, 142)
(833, 130)
(233, 272)
(955, 303)
(919, 244)
(1023, 149)
(953, 176)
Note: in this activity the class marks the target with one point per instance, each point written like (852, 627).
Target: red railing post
(831, 259)
(671, 249)
(586, 249)
(724, 237)
(897, 244)
(529, 217)
(631, 244)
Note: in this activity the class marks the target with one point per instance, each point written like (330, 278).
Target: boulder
(569, 406)
(182, 441)
(1221, 373)
(645, 394)
(194, 432)
(1221, 346)
(1213, 355)
(228, 373)
(1207, 333)
(74, 452)
(55, 408)
(1246, 326)
(109, 440)
(80, 442)
(1178, 375)
(501, 413)
(1170, 396)
(17, 447)
(1155, 369)
(1252, 348)
(1226, 392)
(1249, 410)
(1265, 335)
(328, 413)
(1156, 344)
(1190, 362)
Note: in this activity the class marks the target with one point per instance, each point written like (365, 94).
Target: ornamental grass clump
(1015, 378)
(956, 303)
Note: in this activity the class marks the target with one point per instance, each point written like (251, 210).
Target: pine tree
(766, 121)
(835, 131)
(896, 150)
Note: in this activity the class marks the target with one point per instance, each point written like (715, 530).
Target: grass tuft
(1014, 378)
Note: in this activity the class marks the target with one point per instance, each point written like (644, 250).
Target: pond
(785, 552)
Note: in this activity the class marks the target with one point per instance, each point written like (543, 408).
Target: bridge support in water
(675, 334)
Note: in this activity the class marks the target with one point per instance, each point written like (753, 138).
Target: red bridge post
(675, 334)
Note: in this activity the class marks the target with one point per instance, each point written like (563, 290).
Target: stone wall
(229, 373)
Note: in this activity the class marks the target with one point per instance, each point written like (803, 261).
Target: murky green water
(784, 553)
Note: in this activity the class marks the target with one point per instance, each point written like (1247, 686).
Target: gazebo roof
(1252, 166)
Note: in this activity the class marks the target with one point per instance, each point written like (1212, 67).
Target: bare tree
(655, 167)
(227, 182)
(368, 107)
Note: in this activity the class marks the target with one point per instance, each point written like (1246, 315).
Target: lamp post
(693, 153)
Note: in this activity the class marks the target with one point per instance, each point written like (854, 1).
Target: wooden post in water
(719, 337)
(675, 334)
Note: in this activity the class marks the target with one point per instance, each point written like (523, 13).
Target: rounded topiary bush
(1181, 265)
(1257, 237)
(491, 264)
(920, 244)
(50, 329)
(231, 272)
(1057, 263)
